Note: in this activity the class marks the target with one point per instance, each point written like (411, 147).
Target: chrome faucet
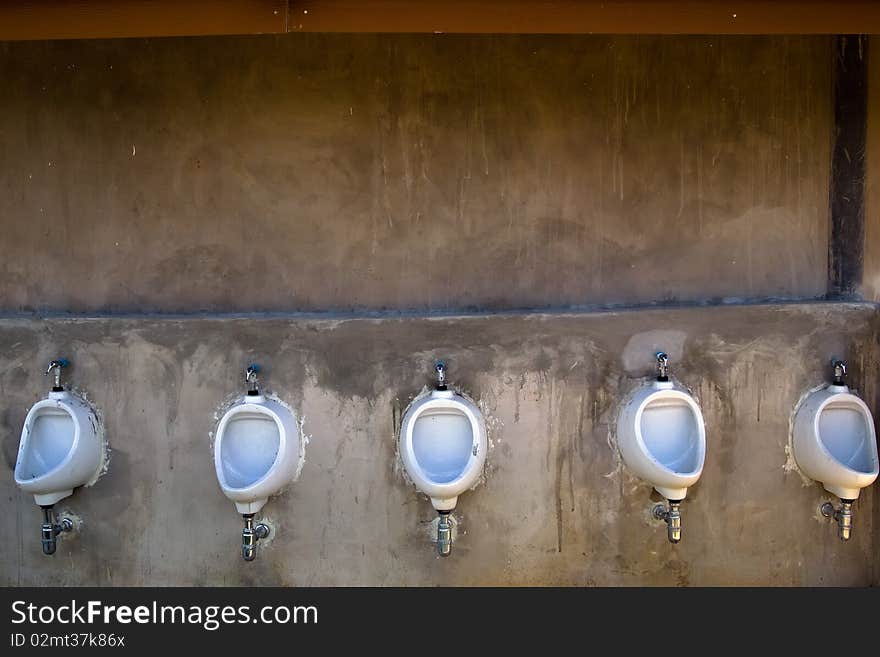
(250, 535)
(662, 367)
(838, 367)
(672, 518)
(843, 516)
(51, 529)
(444, 534)
(250, 379)
(440, 370)
(57, 365)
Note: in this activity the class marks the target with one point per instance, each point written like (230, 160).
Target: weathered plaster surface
(432, 172)
(556, 506)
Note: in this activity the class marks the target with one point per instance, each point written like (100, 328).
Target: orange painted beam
(588, 16)
(96, 19)
(84, 19)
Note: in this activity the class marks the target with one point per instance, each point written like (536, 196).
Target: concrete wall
(355, 173)
(556, 506)
(318, 172)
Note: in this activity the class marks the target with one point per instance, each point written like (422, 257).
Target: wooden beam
(96, 19)
(81, 19)
(587, 16)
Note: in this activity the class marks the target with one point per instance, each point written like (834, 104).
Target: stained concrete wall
(346, 173)
(556, 506)
(431, 172)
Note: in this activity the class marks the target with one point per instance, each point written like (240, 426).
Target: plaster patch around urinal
(399, 469)
(492, 423)
(80, 397)
(100, 432)
(272, 524)
(494, 426)
(649, 518)
(670, 342)
(77, 520)
(628, 392)
(661, 434)
(235, 398)
(790, 464)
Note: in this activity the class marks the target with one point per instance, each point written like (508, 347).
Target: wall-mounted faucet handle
(57, 365)
(440, 370)
(250, 535)
(838, 368)
(250, 378)
(662, 366)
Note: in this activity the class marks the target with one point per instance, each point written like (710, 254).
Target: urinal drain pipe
(672, 518)
(444, 534)
(250, 535)
(843, 516)
(51, 529)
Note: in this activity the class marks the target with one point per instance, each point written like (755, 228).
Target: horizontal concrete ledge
(568, 311)
(364, 355)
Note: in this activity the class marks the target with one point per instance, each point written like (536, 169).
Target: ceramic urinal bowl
(256, 451)
(443, 446)
(662, 438)
(60, 448)
(834, 441)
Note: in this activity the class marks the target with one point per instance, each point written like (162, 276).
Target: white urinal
(835, 443)
(60, 450)
(662, 439)
(257, 451)
(443, 447)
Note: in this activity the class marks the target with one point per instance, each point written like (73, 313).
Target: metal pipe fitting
(250, 535)
(662, 366)
(672, 518)
(251, 380)
(843, 516)
(444, 534)
(57, 365)
(440, 370)
(50, 530)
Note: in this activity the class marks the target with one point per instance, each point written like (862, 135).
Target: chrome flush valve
(838, 368)
(250, 379)
(57, 365)
(662, 367)
(440, 370)
(672, 518)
